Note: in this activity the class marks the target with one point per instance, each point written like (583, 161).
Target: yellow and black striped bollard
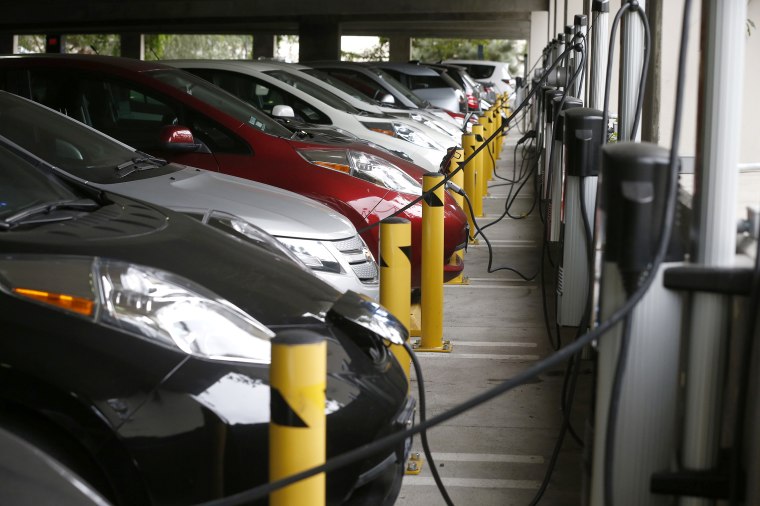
(431, 338)
(396, 277)
(297, 429)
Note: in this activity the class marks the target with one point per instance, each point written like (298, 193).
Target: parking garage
(579, 329)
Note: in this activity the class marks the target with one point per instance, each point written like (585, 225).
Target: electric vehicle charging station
(548, 130)
(634, 178)
(583, 137)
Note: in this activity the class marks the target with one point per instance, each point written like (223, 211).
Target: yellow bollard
(480, 182)
(470, 144)
(497, 126)
(396, 277)
(486, 153)
(431, 338)
(297, 430)
(457, 179)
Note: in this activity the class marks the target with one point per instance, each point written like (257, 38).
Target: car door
(123, 110)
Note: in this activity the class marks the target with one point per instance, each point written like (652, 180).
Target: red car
(174, 115)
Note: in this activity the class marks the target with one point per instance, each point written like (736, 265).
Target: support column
(55, 43)
(538, 39)
(400, 48)
(319, 39)
(264, 43)
(8, 44)
(133, 45)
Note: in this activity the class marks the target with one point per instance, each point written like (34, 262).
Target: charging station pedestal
(556, 170)
(548, 138)
(633, 192)
(584, 134)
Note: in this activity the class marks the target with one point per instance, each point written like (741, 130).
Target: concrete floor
(497, 454)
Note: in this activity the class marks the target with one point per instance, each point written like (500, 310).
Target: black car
(31, 477)
(136, 341)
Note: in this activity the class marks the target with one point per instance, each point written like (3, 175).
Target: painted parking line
(478, 356)
(488, 457)
(497, 344)
(472, 483)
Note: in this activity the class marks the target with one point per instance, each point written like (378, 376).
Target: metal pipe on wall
(631, 60)
(719, 121)
(599, 49)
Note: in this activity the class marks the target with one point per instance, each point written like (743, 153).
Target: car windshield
(312, 89)
(480, 71)
(337, 83)
(68, 144)
(23, 185)
(408, 94)
(220, 99)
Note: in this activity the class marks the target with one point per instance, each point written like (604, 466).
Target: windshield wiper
(46, 208)
(139, 163)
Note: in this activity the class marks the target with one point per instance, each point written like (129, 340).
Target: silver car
(425, 83)
(306, 230)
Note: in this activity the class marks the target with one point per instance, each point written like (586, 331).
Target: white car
(307, 231)
(486, 71)
(312, 104)
(431, 124)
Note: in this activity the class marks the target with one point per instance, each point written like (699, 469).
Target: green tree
(171, 46)
(378, 52)
(434, 50)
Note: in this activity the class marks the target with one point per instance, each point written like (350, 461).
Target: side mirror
(283, 111)
(178, 139)
(387, 98)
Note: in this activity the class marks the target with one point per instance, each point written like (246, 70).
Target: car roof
(96, 60)
(406, 68)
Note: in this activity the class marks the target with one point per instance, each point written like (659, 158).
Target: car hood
(279, 212)
(272, 289)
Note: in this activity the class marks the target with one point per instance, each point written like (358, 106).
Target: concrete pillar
(318, 39)
(55, 43)
(400, 48)
(538, 39)
(264, 44)
(8, 44)
(133, 45)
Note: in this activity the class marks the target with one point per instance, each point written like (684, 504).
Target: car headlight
(145, 301)
(404, 132)
(313, 254)
(248, 232)
(365, 166)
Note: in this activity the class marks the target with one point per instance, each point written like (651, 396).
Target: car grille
(359, 258)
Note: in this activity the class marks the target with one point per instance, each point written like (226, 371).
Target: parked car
(427, 84)
(31, 477)
(382, 86)
(182, 118)
(266, 86)
(490, 73)
(366, 104)
(473, 90)
(323, 240)
(136, 347)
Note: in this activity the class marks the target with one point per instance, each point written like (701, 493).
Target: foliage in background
(167, 47)
(377, 52)
(100, 43)
(434, 50)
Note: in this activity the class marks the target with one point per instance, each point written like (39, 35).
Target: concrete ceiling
(489, 19)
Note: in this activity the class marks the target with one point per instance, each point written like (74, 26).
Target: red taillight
(455, 115)
(472, 101)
